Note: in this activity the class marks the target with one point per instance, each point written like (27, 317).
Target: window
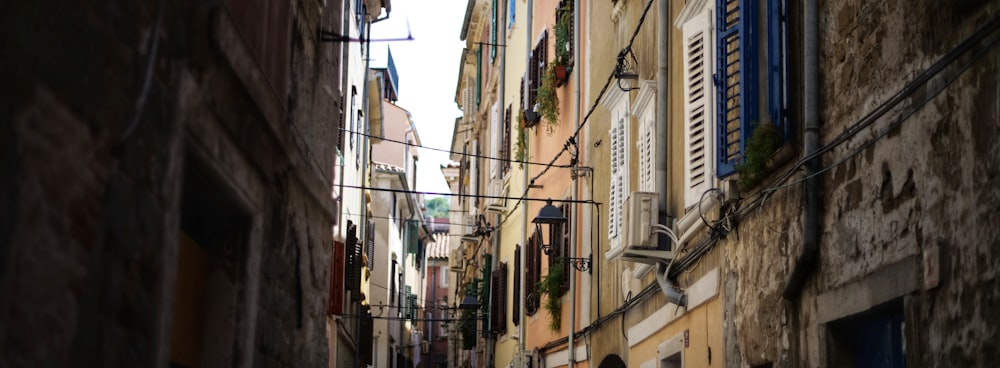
(617, 102)
(536, 70)
(357, 152)
(498, 304)
(565, 40)
(354, 109)
(875, 338)
(738, 89)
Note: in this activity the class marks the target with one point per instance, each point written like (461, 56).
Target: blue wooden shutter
(736, 81)
(775, 64)
(510, 14)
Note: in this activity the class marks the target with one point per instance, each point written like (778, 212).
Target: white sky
(428, 71)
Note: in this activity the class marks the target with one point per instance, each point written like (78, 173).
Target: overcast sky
(428, 71)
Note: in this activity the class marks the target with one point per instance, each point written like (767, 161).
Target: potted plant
(552, 286)
(521, 147)
(563, 30)
(548, 101)
(761, 146)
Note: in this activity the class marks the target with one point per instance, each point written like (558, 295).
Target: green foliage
(761, 146)
(563, 29)
(437, 207)
(548, 101)
(552, 285)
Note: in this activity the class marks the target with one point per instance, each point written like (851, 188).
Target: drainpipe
(576, 189)
(806, 260)
(363, 226)
(524, 176)
(406, 159)
(663, 142)
(492, 339)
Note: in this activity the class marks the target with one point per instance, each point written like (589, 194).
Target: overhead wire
(466, 154)
(461, 194)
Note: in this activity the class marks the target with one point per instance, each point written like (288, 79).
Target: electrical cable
(453, 152)
(464, 195)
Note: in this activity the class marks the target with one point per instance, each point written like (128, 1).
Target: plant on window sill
(563, 30)
(552, 286)
(548, 101)
(760, 148)
(521, 147)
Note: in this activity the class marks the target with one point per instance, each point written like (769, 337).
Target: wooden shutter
(619, 172)
(494, 141)
(776, 47)
(533, 275)
(505, 142)
(335, 304)
(737, 89)
(370, 244)
(647, 162)
(515, 313)
(498, 304)
(566, 244)
(697, 146)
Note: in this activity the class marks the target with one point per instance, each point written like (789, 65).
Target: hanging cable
(453, 152)
(463, 195)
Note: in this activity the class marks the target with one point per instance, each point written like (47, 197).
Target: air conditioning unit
(456, 260)
(523, 359)
(639, 240)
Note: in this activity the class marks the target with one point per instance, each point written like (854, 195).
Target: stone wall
(909, 207)
(93, 206)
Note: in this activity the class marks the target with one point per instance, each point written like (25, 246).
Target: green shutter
(412, 244)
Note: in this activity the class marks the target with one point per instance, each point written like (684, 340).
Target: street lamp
(551, 215)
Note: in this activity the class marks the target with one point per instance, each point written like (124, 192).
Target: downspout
(364, 173)
(576, 188)
(524, 179)
(663, 143)
(406, 159)
(806, 260)
(502, 37)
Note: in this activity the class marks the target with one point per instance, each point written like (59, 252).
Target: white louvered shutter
(647, 162)
(698, 121)
(613, 191)
(494, 140)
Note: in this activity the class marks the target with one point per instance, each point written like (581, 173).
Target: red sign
(687, 340)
